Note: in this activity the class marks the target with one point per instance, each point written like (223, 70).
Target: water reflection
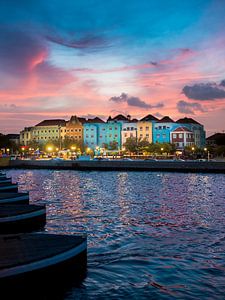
(150, 235)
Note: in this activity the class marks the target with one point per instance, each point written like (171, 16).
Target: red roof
(182, 129)
(54, 122)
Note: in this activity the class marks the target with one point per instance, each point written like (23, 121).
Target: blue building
(162, 129)
(91, 132)
(98, 133)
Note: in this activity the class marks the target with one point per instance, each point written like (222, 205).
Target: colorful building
(196, 128)
(145, 128)
(74, 129)
(182, 137)
(26, 136)
(49, 131)
(162, 129)
(129, 130)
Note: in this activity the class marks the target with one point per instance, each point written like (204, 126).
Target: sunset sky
(59, 58)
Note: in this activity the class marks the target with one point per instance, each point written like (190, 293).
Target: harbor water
(151, 235)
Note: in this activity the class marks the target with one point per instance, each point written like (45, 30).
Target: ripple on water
(150, 235)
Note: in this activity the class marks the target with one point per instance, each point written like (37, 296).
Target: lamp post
(208, 154)
(193, 149)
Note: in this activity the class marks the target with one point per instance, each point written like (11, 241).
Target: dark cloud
(204, 91)
(134, 101)
(189, 108)
(18, 49)
(222, 83)
(87, 42)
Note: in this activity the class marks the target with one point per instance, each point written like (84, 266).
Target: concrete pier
(120, 165)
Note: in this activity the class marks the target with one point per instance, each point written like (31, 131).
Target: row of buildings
(115, 131)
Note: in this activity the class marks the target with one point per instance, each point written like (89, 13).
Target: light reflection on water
(150, 235)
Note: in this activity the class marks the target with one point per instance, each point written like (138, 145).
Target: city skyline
(94, 58)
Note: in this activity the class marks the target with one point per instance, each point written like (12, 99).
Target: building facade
(182, 137)
(145, 128)
(196, 128)
(162, 130)
(26, 136)
(129, 130)
(49, 131)
(74, 129)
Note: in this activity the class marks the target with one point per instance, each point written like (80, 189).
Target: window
(141, 128)
(116, 128)
(92, 136)
(147, 135)
(75, 130)
(147, 128)
(116, 135)
(164, 135)
(110, 128)
(71, 130)
(180, 135)
(92, 129)
(131, 135)
(100, 136)
(141, 135)
(103, 129)
(86, 129)
(49, 131)
(53, 130)
(160, 127)
(79, 136)
(79, 130)
(158, 136)
(164, 127)
(174, 135)
(125, 134)
(86, 135)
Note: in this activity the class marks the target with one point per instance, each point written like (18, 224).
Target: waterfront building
(217, 139)
(162, 129)
(26, 136)
(91, 132)
(129, 130)
(74, 129)
(182, 137)
(196, 128)
(113, 130)
(49, 131)
(145, 128)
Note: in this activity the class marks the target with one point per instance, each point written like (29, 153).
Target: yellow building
(26, 136)
(144, 128)
(49, 131)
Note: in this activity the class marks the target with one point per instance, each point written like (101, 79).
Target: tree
(131, 145)
(113, 145)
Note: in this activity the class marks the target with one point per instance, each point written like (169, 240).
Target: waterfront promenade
(122, 165)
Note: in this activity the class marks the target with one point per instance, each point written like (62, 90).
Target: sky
(94, 57)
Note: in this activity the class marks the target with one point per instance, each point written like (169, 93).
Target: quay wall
(117, 165)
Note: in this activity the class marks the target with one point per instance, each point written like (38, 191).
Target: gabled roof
(53, 122)
(166, 119)
(95, 120)
(187, 121)
(120, 117)
(149, 118)
(182, 129)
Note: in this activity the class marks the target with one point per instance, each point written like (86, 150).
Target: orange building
(74, 129)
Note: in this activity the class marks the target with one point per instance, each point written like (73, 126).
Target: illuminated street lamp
(73, 148)
(49, 148)
(208, 154)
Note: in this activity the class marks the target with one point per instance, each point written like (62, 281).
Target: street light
(49, 148)
(208, 154)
